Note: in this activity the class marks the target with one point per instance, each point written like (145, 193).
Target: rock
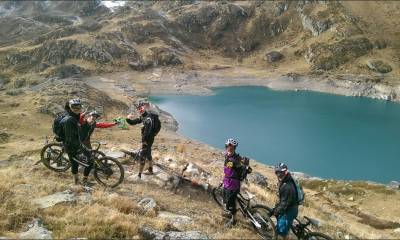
(394, 185)
(42, 66)
(258, 179)
(115, 154)
(397, 230)
(280, 8)
(19, 83)
(36, 231)
(147, 204)
(379, 66)
(273, 56)
(176, 220)
(149, 233)
(140, 64)
(18, 58)
(85, 197)
(51, 200)
(351, 199)
(316, 26)
(65, 71)
(4, 137)
(164, 56)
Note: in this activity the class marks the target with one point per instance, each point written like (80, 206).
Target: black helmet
(281, 167)
(94, 114)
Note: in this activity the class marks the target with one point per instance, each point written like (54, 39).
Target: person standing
(151, 127)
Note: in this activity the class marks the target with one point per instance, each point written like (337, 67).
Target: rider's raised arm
(105, 124)
(134, 121)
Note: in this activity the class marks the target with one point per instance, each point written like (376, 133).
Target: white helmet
(75, 102)
(232, 142)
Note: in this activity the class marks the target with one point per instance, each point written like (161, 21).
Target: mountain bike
(302, 231)
(107, 171)
(257, 214)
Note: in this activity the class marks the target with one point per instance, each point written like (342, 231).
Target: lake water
(322, 135)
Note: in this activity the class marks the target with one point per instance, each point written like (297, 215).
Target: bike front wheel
(218, 195)
(54, 157)
(108, 171)
(262, 223)
(317, 236)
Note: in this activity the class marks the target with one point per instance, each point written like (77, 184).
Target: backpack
(299, 191)
(57, 125)
(156, 124)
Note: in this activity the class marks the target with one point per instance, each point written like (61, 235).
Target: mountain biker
(234, 166)
(287, 208)
(88, 124)
(72, 141)
(148, 133)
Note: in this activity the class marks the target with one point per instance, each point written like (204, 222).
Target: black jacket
(287, 195)
(71, 126)
(147, 130)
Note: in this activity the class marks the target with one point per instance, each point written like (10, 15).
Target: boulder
(19, 83)
(273, 56)
(61, 197)
(18, 58)
(140, 64)
(147, 204)
(379, 66)
(176, 220)
(36, 231)
(316, 26)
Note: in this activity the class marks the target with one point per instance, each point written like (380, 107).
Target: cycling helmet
(142, 103)
(281, 167)
(94, 114)
(75, 104)
(232, 142)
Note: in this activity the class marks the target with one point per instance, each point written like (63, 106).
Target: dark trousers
(146, 151)
(230, 200)
(75, 164)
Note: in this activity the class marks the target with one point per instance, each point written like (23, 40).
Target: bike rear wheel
(108, 171)
(266, 228)
(54, 157)
(317, 236)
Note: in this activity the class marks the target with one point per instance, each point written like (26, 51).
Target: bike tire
(317, 236)
(45, 158)
(261, 214)
(218, 195)
(102, 171)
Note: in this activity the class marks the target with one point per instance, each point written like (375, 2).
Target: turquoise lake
(322, 135)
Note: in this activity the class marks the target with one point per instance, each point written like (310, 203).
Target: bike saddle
(313, 222)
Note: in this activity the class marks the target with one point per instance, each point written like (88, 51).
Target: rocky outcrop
(329, 56)
(51, 200)
(258, 179)
(315, 25)
(65, 71)
(36, 231)
(150, 234)
(4, 137)
(379, 66)
(164, 56)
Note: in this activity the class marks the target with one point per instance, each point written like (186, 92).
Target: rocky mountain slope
(109, 57)
(44, 39)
